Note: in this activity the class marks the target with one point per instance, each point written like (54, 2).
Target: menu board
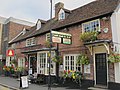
(24, 81)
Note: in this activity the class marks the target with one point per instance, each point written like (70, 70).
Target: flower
(72, 74)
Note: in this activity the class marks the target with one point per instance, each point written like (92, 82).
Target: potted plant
(88, 36)
(114, 58)
(83, 59)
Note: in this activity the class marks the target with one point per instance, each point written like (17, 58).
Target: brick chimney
(58, 6)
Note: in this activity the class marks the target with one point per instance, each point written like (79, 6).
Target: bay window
(43, 63)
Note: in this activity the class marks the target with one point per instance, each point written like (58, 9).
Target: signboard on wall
(60, 37)
(87, 68)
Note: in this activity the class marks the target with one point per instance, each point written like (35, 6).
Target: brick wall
(15, 29)
(77, 45)
(10, 31)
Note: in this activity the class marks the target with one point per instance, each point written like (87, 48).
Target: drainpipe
(57, 63)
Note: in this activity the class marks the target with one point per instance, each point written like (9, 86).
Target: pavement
(4, 88)
(14, 84)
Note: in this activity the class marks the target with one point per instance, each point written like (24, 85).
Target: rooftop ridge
(2, 19)
(11, 19)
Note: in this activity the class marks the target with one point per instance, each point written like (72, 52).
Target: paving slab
(14, 84)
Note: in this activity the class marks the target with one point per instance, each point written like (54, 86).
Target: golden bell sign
(10, 52)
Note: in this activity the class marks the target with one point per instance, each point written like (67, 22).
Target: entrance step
(95, 88)
(98, 87)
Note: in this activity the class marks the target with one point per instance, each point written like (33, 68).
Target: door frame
(29, 60)
(95, 67)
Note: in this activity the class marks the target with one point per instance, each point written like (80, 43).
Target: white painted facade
(115, 25)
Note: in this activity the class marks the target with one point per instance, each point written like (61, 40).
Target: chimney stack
(58, 6)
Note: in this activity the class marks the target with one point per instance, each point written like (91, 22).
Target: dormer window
(61, 14)
(38, 25)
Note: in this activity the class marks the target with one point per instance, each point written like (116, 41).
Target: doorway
(101, 69)
(33, 64)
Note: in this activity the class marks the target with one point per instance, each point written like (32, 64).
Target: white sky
(31, 10)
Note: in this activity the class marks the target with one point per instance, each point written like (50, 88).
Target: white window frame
(68, 58)
(40, 63)
(90, 25)
(61, 14)
(31, 41)
(48, 37)
(28, 42)
(21, 62)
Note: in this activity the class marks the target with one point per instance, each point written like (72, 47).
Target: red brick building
(11, 27)
(101, 16)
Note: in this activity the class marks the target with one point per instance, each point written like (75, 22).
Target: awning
(96, 43)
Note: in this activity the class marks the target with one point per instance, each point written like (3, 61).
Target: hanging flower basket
(57, 59)
(83, 59)
(114, 58)
(47, 44)
(88, 36)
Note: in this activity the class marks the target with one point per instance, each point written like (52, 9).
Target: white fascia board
(19, 21)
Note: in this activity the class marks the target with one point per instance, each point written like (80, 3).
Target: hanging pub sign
(60, 37)
(10, 52)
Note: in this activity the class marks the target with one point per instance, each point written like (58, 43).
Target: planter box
(72, 84)
(53, 79)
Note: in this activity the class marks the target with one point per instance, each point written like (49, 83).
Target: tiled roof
(21, 37)
(88, 11)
